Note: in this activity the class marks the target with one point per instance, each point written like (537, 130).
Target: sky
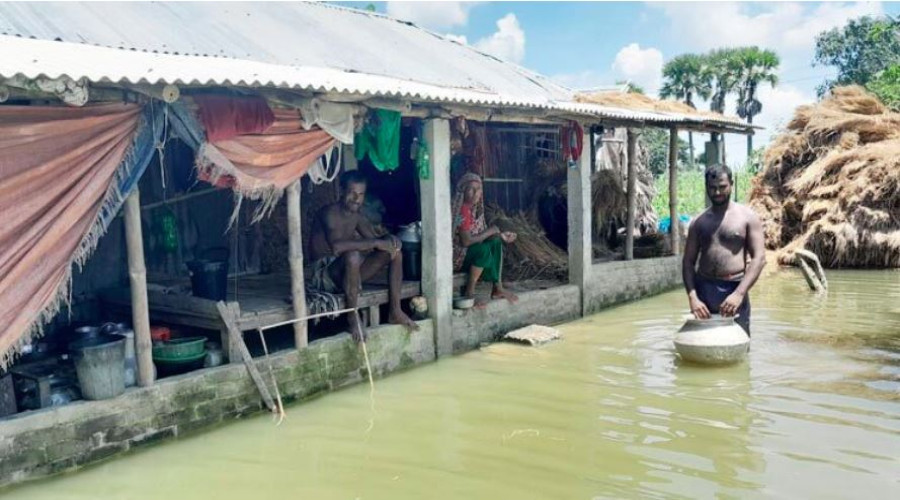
(590, 44)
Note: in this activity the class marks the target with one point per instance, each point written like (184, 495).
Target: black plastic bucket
(209, 275)
(412, 260)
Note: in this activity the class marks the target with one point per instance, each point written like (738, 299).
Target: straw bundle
(532, 255)
(640, 102)
(831, 183)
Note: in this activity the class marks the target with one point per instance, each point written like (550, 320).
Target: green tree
(753, 66)
(859, 50)
(886, 85)
(684, 78)
(656, 140)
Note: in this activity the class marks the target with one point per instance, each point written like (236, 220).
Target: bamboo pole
(631, 193)
(674, 223)
(295, 254)
(137, 272)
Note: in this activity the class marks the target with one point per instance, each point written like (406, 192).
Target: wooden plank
(674, 223)
(137, 274)
(631, 193)
(230, 315)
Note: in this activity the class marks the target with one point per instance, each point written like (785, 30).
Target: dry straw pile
(831, 183)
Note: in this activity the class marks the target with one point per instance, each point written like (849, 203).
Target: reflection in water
(608, 412)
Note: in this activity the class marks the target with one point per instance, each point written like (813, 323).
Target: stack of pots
(411, 238)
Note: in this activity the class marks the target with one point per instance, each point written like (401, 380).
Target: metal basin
(715, 341)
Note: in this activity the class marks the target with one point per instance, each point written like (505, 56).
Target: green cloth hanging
(380, 140)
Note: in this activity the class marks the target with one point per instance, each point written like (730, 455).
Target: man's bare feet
(501, 293)
(357, 331)
(400, 318)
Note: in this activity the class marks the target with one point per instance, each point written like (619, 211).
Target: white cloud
(640, 66)
(508, 43)
(786, 27)
(432, 15)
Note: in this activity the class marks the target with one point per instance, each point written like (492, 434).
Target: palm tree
(753, 67)
(724, 80)
(723, 76)
(685, 78)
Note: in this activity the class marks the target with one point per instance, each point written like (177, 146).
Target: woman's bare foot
(501, 293)
(400, 318)
(480, 303)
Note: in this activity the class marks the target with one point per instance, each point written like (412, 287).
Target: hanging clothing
(224, 117)
(380, 140)
(64, 174)
(488, 255)
(466, 217)
(333, 117)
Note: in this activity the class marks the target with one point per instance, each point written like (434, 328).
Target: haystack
(831, 183)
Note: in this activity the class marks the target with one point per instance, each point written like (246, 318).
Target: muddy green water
(608, 412)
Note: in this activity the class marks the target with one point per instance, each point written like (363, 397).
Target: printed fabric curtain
(64, 173)
(256, 156)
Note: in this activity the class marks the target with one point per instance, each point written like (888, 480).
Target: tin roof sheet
(310, 46)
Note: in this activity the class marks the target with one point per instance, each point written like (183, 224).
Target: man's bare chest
(728, 233)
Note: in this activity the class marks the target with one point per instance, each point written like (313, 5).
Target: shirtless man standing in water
(347, 252)
(723, 237)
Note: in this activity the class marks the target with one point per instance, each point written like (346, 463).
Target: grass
(692, 192)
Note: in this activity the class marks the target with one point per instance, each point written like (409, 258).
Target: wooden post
(137, 273)
(295, 253)
(631, 193)
(674, 224)
(580, 213)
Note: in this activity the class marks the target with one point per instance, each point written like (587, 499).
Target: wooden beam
(295, 255)
(230, 314)
(674, 225)
(631, 193)
(137, 273)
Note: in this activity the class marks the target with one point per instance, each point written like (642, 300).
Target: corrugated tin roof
(317, 47)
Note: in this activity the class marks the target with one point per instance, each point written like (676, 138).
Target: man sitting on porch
(477, 249)
(347, 252)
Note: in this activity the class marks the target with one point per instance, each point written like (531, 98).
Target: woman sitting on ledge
(477, 249)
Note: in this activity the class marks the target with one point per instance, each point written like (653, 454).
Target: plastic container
(100, 365)
(209, 278)
(177, 349)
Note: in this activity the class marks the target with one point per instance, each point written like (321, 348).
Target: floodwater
(608, 412)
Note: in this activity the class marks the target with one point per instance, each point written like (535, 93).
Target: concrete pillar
(579, 218)
(631, 193)
(674, 224)
(437, 236)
